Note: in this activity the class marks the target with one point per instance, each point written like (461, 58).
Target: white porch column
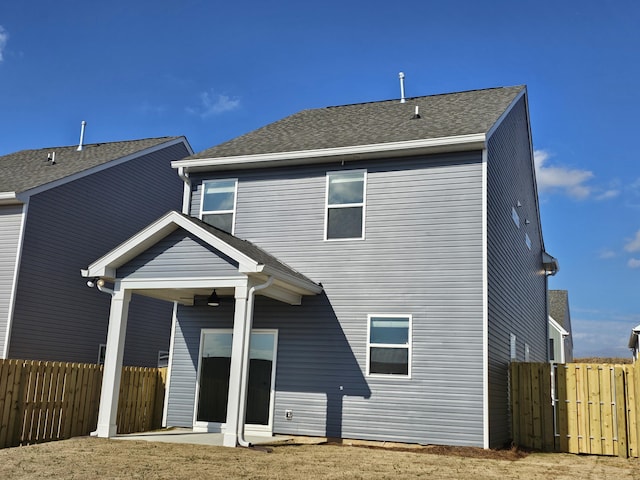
(113, 364)
(230, 438)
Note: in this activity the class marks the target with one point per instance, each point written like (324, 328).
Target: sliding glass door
(213, 379)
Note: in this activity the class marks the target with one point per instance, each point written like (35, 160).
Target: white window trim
(200, 426)
(221, 212)
(513, 347)
(362, 204)
(389, 345)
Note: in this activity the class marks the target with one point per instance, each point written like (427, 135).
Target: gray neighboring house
(560, 337)
(61, 207)
(634, 342)
(387, 257)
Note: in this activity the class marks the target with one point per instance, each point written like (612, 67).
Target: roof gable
(249, 258)
(448, 115)
(29, 169)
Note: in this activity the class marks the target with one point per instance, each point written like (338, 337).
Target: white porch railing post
(230, 438)
(112, 372)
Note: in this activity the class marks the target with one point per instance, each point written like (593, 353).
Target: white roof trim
(455, 143)
(633, 338)
(9, 198)
(106, 265)
(558, 327)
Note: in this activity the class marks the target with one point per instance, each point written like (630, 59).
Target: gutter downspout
(186, 194)
(244, 377)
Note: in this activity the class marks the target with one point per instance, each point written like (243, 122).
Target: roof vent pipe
(82, 126)
(401, 76)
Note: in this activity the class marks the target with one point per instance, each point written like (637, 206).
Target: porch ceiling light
(213, 300)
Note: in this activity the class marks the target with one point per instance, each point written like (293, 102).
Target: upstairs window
(345, 205)
(219, 203)
(389, 349)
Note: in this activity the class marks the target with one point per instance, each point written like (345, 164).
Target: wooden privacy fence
(576, 407)
(45, 401)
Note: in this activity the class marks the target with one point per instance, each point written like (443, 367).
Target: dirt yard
(88, 458)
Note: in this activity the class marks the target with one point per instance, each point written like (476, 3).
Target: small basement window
(345, 206)
(389, 345)
(218, 205)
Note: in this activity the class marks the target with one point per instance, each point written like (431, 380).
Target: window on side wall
(389, 345)
(346, 192)
(218, 204)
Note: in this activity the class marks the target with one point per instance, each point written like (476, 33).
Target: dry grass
(82, 458)
(614, 360)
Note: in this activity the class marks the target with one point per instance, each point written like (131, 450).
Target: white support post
(230, 438)
(112, 372)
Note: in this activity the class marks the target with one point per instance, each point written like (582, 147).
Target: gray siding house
(61, 207)
(386, 257)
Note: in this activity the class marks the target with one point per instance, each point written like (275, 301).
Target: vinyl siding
(10, 225)
(56, 316)
(516, 284)
(180, 254)
(422, 255)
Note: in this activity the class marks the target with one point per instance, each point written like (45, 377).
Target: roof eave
(356, 152)
(9, 198)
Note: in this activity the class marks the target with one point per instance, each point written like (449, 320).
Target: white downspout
(186, 193)
(244, 377)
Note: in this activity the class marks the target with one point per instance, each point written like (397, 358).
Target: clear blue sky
(214, 70)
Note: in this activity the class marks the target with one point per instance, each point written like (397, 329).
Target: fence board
(620, 411)
(561, 422)
(594, 408)
(44, 401)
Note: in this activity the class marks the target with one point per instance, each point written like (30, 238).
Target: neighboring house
(560, 338)
(387, 257)
(61, 207)
(634, 343)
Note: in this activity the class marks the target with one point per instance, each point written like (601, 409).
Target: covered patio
(183, 260)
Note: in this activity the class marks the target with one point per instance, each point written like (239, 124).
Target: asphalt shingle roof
(445, 115)
(27, 169)
(559, 305)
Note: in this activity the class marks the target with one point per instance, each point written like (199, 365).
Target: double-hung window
(346, 193)
(218, 204)
(389, 345)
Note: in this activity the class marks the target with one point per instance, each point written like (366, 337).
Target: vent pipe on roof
(401, 76)
(82, 126)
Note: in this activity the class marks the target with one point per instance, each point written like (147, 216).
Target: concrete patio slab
(186, 435)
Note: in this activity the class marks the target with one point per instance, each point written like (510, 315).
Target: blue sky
(214, 70)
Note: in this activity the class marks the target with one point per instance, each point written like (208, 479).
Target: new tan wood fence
(44, 401)
(576, 407)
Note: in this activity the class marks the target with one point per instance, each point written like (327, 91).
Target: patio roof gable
(248, 258)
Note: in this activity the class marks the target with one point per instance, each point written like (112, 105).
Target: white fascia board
(183, 283)
(355, 152)
(106, 265)
(294, 283)
(558, 327)
(105, 166)
(9, 198)
(633, 338)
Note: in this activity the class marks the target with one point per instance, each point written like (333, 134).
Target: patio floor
(186, 435)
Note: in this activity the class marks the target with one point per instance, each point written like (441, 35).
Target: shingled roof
(559, 307)
(446, 115)
(29, 169)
